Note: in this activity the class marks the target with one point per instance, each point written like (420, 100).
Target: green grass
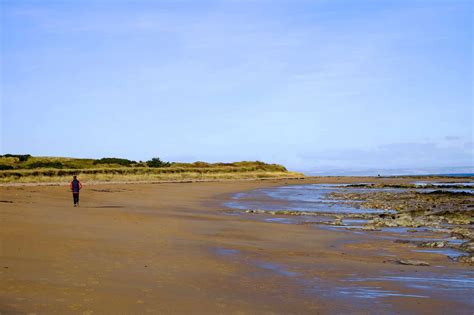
(58, 169)
(69, 163)
(149, 177)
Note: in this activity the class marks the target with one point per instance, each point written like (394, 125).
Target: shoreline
(170, 248)
(304, 179)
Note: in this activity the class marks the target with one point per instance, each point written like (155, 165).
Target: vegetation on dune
(157, 162)
(49, 169)
(33, 162)
(45, 164)
(150, 177)
(20, 157)
(123, 162)
(255, 164)
(137, 171)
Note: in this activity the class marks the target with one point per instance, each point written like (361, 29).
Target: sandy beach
(236, 157)
(172, 248)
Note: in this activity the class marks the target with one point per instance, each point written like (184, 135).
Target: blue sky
(314, 85)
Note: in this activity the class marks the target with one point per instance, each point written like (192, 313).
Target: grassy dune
(57, 169)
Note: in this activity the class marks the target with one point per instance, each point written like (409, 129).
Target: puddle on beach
(280, 220)
(312, 285)
(461, 280)
(225, 251)
(275, 268)
(409, 235)
(351, 222)
(267, 266)
(450, 252)
(325, 288)
(457, 285)
(373, 292)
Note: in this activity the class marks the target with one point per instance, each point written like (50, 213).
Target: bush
(156, 162)
(123, 162)
(21, 157)
(45, 164)
(5, 167)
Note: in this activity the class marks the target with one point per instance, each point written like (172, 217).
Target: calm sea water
(458, 175)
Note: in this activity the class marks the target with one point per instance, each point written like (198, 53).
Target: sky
(319, 86)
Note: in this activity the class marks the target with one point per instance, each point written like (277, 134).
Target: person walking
(75, 186)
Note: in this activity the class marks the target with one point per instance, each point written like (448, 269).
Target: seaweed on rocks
(462, 233)
(468, 246)
(447, 193)
(409, 186)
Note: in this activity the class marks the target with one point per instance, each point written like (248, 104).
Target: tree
(157, 162)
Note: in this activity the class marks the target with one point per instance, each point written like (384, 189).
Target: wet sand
(171, 248)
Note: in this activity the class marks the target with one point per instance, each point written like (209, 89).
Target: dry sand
(169, 248)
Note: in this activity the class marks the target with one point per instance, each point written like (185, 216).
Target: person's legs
(76, 198)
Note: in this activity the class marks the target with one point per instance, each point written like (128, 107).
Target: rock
(337, 221)
(370, 228)
(459, 218)
(379, 222)
(439, 244)
(462, 233)
(412, 262)
(466, 259)
(403, 241)
(408, 222)
(330, 223)
(401, 220)
(451, 193)
(256, 211)
(467, 246)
